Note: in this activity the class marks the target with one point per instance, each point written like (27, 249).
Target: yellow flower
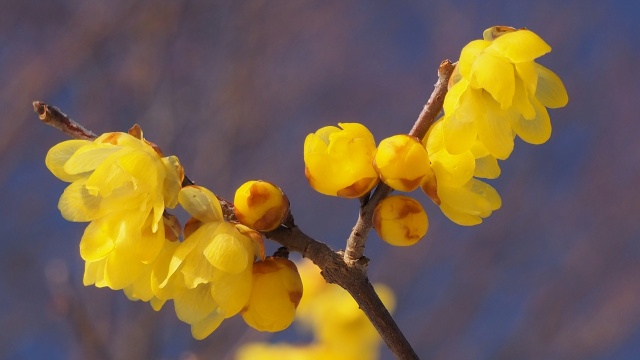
(402, 162)
(276, 292)
(499, 91)
(456, 170)
(209, 276)
(400, 220)
(461, 197)
(339, 162)
(122, 185)
(113, 173)
(260, 205)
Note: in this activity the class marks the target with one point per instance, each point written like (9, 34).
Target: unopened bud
(260, 205)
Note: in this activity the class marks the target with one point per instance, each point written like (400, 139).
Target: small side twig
(353, 254)
(52, 116)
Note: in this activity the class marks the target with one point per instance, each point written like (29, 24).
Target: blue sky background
(232, 88)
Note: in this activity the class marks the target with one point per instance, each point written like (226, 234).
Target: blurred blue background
(233, 87)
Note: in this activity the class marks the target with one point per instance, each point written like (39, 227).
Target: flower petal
(206, 326)
(200, 203)
(76, 204)
(60, 154)
(487, 167)
(495, 75)
(537, 130)
(519, 46)
(229, 252)
(494, 129)
(96, 242)
(88, 158)
(194, 305)
(550, 90)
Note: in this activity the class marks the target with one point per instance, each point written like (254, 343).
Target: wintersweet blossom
(122, 185)
(499, 91)
(339, 162)
(209, 276)
(464, 199)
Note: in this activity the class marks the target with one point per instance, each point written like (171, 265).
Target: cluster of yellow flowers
(122, 184)
(496, 92)
(340, 329)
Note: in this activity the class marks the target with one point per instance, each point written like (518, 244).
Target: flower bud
(276, 293)
(260, 205)
(339, 162)
(400, 220)
(402, 162)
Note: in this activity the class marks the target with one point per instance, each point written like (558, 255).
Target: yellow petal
(76, 204)
(487, 167)
(88, 158)
(519, 46)
(60, 154)
(460, 127)
(468, 56)
(232, 291)
(453, 96)
(94, 273)
(229, 252)
(96, 242)
(475, 198)
(206, 326)
(121, 269)
(537, 130)
(522, 102)
(495, 75)
(528, 74)
(459, 217)
(172, 181)
(452, 170)
(194, 305)
(181, 253)
(109, 176)
(494, 129)
(200, 203)
(550, 90)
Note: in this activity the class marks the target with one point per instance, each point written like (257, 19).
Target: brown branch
(352, 279)
(353, 254)
(52, 116)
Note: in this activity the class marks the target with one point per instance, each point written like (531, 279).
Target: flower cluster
(121, 184)
(496, 92)
(340, 329)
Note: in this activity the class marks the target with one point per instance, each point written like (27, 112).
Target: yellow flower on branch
(461, 197)
(209, 275)
(339, 162)
(122, 185)
(499, 91)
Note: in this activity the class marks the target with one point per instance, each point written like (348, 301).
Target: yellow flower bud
(276, 293)
(260, 205)
(400, 220)
(402, 162)
(339, 162)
